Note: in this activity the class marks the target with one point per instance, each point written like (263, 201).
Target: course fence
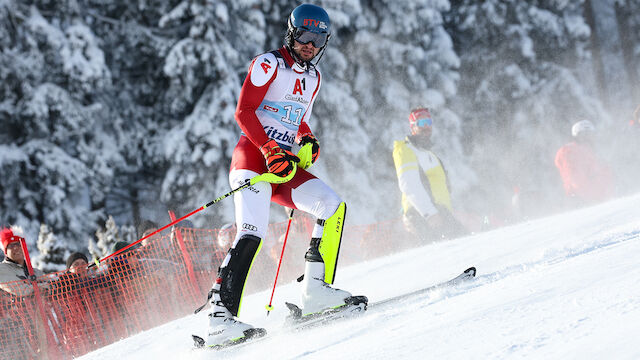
(165, 278)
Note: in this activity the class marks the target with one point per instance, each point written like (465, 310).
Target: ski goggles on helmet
(420, 117)
(317, 39)
(424, 122)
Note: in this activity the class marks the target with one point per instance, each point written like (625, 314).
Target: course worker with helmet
(423, 181)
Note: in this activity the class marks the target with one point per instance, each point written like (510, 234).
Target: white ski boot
(224, 328)
(317, 295)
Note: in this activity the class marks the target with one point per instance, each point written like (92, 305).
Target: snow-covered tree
(523, 85)
(82, 123)
(53, 252)
(628, 21)
(59, 166)
(107, 238)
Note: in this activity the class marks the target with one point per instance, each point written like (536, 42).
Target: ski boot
(318, 297)
(224, 329)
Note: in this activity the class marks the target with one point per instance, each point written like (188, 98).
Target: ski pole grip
(273, 178)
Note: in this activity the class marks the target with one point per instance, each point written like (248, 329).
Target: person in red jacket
(586, 178)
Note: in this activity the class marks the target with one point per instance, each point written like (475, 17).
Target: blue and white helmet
(308, 23)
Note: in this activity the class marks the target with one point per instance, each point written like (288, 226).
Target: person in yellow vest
(426, 199)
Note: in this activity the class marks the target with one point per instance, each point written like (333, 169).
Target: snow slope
(566, 286)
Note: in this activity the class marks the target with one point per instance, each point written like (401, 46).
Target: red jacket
(584, 175)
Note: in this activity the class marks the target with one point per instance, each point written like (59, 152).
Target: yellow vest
(406, 157)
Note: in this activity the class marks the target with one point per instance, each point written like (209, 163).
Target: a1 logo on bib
(266, 65)
(263, 69)
(299, 86)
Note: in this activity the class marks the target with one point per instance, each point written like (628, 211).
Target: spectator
(586, 178)
(77, 277)
(13, 267)
(73, 294)
(125, 264)
(25, 331)
(198, 249)
(184, 230)
(225, 237)
(203, 258)
(426, 199)
(156, 250)
(224, 241)
(77, 263)
(145, 228)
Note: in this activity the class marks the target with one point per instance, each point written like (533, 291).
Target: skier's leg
(252, 218)
(307, 193)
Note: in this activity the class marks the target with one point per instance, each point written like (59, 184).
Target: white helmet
(582, 127)
(226, 235)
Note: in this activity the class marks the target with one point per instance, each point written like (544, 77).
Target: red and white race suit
(275, 103)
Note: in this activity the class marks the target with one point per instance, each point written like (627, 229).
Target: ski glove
(279, 161)
(315, 145)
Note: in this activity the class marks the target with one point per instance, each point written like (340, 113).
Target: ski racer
(426, 200)
(586, 178)
(273, 112)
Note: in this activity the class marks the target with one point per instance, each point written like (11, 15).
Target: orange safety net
(163, 279)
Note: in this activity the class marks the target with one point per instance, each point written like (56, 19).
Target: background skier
(586, 178)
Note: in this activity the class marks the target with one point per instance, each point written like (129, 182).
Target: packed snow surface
(566, 286)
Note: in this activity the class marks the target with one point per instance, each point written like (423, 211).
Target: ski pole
(266, 177)
(284, 244)
(52, 349)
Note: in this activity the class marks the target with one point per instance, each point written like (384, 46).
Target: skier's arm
(261, 74)
(10, 284)
(17, 288)
(304, 130)
(408, 173)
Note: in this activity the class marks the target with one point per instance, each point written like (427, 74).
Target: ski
(353, 308)
(466, 275)
(249, 336)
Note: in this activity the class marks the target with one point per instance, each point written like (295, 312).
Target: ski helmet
(419, 117)
(309, 23)
(582, 127)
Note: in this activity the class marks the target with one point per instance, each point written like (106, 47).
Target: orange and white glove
(279, 161)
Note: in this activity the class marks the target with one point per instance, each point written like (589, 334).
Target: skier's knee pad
(329, 245)
(234, 275)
